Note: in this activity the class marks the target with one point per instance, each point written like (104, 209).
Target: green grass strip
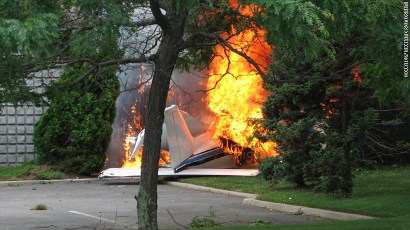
(381, 193)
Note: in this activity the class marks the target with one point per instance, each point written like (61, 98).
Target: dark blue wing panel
(201, 158)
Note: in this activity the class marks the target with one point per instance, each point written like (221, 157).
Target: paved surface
(251, 199)
(107, 205)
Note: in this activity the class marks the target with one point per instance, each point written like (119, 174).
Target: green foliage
(28, 31)
(75, 131)
(308, 157)
(373, 33)
(44, 35)
(379, 137)
(296, 142)
(321, 110)
(49, 175)
(295, 101)
(296, 22)
(325, 167)
(29, 170)
(309, 153)
(186, 4)
(271, 169)
(310, 149)
(313, 39)
(15, 172)
(242, 184)
(382, 23)
(204, 222)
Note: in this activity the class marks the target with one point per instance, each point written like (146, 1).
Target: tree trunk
(347, 174)
(172, 32)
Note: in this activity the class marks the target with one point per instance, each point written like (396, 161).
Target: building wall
(17, 125)
(16, 133)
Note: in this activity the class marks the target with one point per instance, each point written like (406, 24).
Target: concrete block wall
(17, 125)
(16, 133)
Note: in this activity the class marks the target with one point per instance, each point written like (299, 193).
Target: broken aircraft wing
(129, 172)
(192, 149)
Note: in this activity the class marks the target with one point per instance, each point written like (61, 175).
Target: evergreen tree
(74, 132)
(346, 66)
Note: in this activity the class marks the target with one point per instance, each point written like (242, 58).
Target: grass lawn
(399, 223)
(29, 170)
(381, 193)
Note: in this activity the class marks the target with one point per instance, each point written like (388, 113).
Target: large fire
(127, 147)
(136, 162)
(235, 93)
(235, 88)
(133, 126)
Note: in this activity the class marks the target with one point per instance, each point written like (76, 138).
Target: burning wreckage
(192, 150)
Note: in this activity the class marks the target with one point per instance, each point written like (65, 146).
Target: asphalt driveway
(99, 204)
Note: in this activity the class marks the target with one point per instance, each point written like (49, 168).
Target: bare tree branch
(128, 61)
(225, 43)
(193, 40)
(175, 220)
(146, 22)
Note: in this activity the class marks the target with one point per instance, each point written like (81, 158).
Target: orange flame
(127, 162)
(235, 88)
(356, 74)
(329, 108)
(132, 127)
(235, 93)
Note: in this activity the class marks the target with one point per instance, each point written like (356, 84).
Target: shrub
(325, 169)
(75, 131)
(309, 141)
(272, 169)
(306, 160)
(296, 142)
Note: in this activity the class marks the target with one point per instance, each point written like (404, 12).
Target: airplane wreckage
(192, 150)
